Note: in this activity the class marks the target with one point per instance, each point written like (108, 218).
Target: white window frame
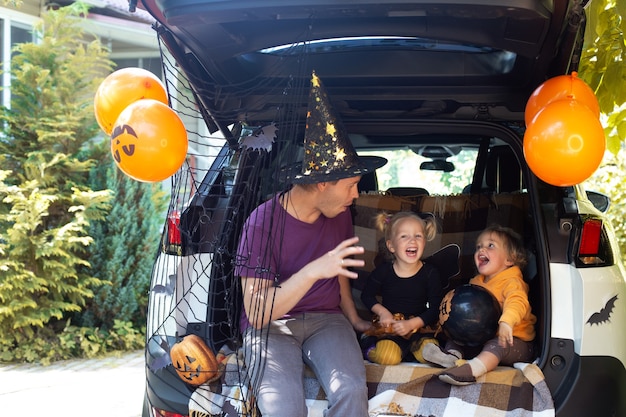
(11, 18)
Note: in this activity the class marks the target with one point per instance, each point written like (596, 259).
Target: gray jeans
(326, 343)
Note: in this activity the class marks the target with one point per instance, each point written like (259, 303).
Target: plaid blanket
(504, 392)
(411, 390)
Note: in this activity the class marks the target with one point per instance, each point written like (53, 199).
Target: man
(294, 258)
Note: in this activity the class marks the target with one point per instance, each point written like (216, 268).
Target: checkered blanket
(410, 390)
(417, 392)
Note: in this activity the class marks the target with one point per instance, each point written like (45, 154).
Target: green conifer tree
(46, 205)
(126, 245)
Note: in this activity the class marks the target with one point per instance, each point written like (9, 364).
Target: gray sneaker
(434, 354)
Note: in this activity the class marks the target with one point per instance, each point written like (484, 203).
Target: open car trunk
(428, 77)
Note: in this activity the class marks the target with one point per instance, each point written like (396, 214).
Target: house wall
(28, 7)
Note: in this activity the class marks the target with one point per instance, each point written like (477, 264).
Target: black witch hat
(328, 152)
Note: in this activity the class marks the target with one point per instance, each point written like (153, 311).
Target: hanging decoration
(559, 88)
(120, 89)
(564, 140)
(565, 143)
(149, 141)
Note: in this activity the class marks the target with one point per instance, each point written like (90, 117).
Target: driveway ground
(109, 387)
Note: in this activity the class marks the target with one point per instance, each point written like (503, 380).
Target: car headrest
(503, 173)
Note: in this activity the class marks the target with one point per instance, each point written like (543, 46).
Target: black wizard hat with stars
(328, 152)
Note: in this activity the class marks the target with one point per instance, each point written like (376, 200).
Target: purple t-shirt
(275, 245)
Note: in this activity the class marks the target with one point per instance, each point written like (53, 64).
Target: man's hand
(336, 262)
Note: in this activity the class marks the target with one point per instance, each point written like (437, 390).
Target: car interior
(495, 195)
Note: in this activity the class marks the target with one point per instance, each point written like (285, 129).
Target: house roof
(115, 8)
(128, 31)
(128, 9)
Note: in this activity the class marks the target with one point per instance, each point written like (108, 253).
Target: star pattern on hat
(328, 151)
(339, 154)
(330, 129)
(324, 147)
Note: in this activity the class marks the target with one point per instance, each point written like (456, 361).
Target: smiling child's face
(408, 241)
(491, 256)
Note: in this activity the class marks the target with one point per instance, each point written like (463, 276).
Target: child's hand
(385, 318)
(505, 334)
(402, 327)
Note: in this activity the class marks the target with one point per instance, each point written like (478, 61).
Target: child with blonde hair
(409, 289)
(499, 258)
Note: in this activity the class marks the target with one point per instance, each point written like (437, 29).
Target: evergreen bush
(125, 246)
(65, 236)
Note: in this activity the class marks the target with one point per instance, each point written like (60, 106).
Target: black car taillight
(593, 246)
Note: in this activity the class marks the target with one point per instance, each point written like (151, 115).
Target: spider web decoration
(193, 288)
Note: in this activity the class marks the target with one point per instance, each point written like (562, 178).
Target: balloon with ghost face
(149, 141)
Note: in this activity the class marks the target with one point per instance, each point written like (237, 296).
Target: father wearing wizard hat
(294, 261)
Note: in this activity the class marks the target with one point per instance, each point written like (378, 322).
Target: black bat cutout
(165, 289)
(604, 315)
(162, 358)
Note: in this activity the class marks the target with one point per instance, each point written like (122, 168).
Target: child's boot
(434, 354)
(465, 374)
(417, 348)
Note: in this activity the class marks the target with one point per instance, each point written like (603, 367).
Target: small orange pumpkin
(194, 361)
(379, 330)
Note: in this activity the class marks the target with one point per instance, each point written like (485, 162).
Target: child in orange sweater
(499, 258)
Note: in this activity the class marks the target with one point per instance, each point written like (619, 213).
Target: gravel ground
(108, 387)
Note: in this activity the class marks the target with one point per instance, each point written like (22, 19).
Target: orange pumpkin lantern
(194, 361)
(565, 143)
(559, 88)
(122, 88)
(149, 141)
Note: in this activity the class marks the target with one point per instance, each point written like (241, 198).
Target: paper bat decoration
(161, 357)
(262, 138)
(165, 289)
(604, 315)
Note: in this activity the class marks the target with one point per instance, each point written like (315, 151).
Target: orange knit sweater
(511, 292)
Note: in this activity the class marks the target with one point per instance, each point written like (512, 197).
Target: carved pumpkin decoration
(194, 361)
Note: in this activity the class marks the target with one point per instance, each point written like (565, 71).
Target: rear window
(407, 169)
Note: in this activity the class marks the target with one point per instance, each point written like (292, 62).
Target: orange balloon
(149, 141)
(565, 143)
(122, 88)
(559, 88)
